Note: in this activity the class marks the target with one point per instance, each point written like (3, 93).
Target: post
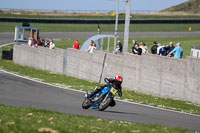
(127, 23)
(116, 24)
(108, 47)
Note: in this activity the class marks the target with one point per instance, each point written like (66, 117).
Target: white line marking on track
(6, 44)
(28, 78)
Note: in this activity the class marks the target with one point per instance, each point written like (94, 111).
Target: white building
(195, 51)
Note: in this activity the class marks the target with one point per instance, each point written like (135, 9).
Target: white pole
(126, 28)
(116, 23)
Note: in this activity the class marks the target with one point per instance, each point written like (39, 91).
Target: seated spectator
(154, 48)
(51, 44)
(76, 45)
(178, 51)
(92, 47)
(170, 48)
(119, 48)
(137, 50)
(143, 47)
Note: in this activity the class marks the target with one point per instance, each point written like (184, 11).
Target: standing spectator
(38, 43)
(30, 39)
(133, 46)
(143, 47)
(76, 45)
(163, 51)
(51, 44)
(119, 48)
(137, 50)
(159, 47)
(43, 43)
(92, 47)
(154, 48)
(170, 48)
(33, 43)
(178, 51)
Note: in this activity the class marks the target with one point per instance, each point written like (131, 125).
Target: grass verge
(67, 81)
(10, 27)
(26, 120)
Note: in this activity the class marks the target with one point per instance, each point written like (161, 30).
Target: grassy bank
(9, 27)
(71, 82)
(27, 120)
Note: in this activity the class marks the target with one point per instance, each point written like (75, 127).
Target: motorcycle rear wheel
(86, 104)
(105, 104)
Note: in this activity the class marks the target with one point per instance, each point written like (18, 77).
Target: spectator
(137, 50)
(51, 44)
(159, 47)
(30, 39)
(133, 46)
(163, 51)
(143, 47)
(178, 51)
(119, 48)
(76, 45)
(33, 43)
(92, 47)
(154, 48)
(38, 43)
(170, 48)
(47, 43)
(43, 43)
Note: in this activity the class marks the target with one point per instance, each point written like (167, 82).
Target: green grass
(10, 27)
(187, 42)
(84, 85)
(29, 120)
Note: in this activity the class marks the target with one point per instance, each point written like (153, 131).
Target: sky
(88, 4)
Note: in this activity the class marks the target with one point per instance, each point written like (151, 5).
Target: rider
(115, 82)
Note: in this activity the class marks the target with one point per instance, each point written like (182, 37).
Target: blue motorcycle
(102, 99)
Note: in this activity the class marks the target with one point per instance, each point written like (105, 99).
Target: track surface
(18, 91)
(9, 37)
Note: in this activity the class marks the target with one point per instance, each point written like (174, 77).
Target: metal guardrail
(66, 21)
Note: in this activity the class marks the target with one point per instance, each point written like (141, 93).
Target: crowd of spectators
(141, 48)
(158, 48)
(42, 43)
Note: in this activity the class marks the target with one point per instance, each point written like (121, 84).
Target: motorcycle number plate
(113, 91)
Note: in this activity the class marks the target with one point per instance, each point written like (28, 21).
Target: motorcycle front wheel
(86, 104)
(105, 104)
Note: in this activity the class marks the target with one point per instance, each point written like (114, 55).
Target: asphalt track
(9, 37)
(18, 91)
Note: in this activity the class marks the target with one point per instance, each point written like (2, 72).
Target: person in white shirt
(92, 47)
(51, 44)
(143, 47)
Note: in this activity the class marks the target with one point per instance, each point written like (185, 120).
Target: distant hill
(191, 7)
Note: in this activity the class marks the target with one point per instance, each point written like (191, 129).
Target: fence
(75, 21)
(150, 74)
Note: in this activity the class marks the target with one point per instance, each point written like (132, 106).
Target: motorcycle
(102, 99)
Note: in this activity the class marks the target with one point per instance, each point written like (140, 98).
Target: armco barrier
(150, 74)
(75, 21)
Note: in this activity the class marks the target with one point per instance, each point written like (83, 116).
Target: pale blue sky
(88, 4)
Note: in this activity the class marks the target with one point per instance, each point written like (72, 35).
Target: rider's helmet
(119, 79)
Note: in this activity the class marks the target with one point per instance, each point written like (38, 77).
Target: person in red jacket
(76, 45)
